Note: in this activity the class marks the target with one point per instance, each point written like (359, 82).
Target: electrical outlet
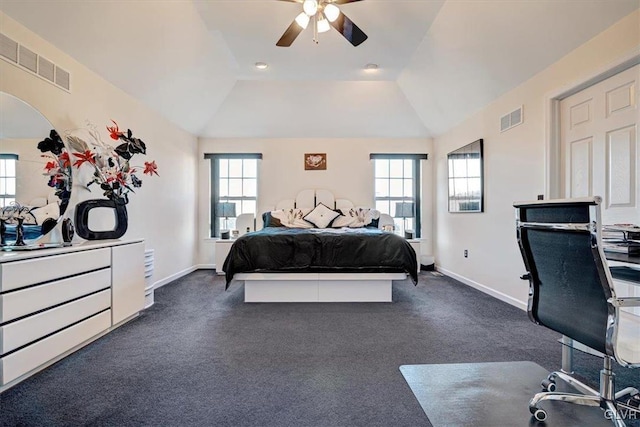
(466, 253)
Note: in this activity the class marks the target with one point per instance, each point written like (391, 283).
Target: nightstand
(222, 250)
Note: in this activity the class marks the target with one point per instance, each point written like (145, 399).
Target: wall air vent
(46, 69)
(17, 54)
(512, 119)
(8, 48)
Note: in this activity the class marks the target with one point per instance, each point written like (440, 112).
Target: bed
(321, 263)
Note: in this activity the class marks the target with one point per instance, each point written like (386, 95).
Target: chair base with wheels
(624, 404)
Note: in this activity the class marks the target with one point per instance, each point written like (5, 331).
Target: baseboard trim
(482, 288)
(175, 276)
(205, 266)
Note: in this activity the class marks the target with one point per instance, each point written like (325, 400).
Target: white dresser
(54, 301)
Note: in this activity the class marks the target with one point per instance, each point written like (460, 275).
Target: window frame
(6, 196)
(214, 181)
(417, 180)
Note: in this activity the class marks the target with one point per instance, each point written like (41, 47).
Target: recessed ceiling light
(371, 67)
(261, 65)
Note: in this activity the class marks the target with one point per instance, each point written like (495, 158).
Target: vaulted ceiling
(439, 61)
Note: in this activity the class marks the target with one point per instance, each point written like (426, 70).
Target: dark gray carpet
(200, 356)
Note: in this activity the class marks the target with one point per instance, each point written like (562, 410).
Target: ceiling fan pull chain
(315, 28)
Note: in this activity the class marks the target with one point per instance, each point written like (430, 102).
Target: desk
(623, 267)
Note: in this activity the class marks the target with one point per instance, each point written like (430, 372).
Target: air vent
(510, 120)
(8, 48)
(46, 69)
(62, 78)
(28, 59)
(15, 53)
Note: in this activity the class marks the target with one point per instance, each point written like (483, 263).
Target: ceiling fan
(324, 14)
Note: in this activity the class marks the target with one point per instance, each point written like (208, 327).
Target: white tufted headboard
(311, 198)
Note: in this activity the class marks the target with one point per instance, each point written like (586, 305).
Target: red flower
(114, 131)
(50, 165)
(150, 168)
(87, 156)
(64, 158)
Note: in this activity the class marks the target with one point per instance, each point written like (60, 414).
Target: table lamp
(225, 210)
(405, 210)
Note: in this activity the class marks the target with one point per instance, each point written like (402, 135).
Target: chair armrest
(625, 302)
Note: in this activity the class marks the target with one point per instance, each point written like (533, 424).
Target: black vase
(67, 230)
(82, 219)
(3, 231)
(20, 233)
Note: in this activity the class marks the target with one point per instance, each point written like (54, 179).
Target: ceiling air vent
(28, 60)
(510, 120)
(8, 48)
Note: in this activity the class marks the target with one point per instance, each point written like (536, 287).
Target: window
(7, 179)
(397, 189)
(234, 188)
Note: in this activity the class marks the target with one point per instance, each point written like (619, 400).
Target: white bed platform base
(318, 287)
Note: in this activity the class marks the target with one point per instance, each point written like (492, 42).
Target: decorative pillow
(269, 221)
(292, 218)
(321, 216)
(357, 218)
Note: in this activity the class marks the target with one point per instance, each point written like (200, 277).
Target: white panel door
(599, 133)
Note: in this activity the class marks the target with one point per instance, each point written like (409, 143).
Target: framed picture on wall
(466, 178)
(315, 161)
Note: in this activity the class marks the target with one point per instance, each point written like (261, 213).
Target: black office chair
(571, 292)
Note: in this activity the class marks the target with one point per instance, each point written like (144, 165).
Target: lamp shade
(332, 12)
(302, 20)
(225, 209)
(404, 210)
(323, 25)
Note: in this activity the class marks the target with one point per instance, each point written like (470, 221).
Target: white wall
(514, 166)
(162, 211)
(349, 174)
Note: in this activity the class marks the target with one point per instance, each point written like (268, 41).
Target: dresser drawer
(26, 301)
(31, 357)
(18, 274)
(16, 334)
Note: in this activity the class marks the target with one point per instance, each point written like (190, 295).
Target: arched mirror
(35, 174)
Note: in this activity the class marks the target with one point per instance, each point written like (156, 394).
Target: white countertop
(17, 255)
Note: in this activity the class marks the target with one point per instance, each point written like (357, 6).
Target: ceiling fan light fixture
(332, 12)
(323, 25)
(310, 7)
(302, 20)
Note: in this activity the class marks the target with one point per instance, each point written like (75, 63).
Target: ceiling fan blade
(349, 30)
(342, 1)
(290, 35)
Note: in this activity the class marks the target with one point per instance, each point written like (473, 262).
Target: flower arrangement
(112, 168)
(58, 165)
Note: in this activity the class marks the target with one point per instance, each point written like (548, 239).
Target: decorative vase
(82, 218)
(3, 231)
(67, 230)
(20, 233)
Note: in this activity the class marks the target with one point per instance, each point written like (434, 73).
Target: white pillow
(321, 216)
(52, 210)
(292, 218)
(356, 217)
